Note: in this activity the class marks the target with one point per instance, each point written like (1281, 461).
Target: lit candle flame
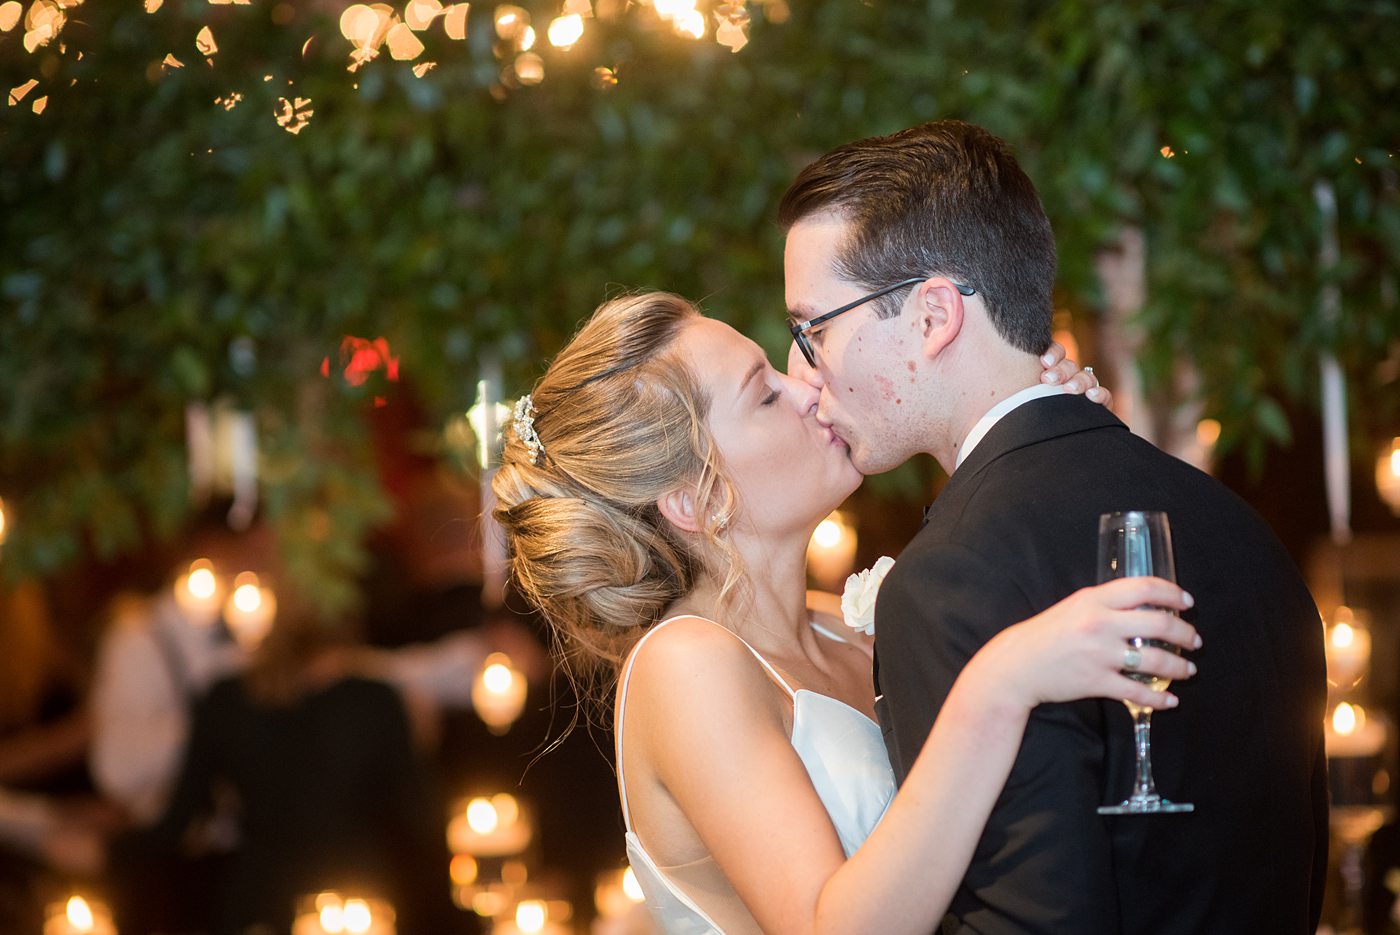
(79, 914)
(1343, 635)
(498, 678)
(481, 816)
(357, 916)
(247, 598)
(530, 916)
(566, 30)
(201, 582)
(828, 534)
(1348, 719)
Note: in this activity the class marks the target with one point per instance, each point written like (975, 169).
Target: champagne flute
(1132, 544)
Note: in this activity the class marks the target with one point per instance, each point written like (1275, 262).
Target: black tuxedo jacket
(1014, 531)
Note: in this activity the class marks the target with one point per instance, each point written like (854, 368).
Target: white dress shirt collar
(998, 412)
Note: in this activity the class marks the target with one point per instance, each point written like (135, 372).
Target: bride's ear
(678, 506)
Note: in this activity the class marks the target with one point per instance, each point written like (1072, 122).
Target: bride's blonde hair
(620, 421)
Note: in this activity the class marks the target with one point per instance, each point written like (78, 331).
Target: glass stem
(1143, 787)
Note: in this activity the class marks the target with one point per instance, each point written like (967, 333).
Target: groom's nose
(799, 369)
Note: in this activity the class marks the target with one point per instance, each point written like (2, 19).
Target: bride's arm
(718, 743)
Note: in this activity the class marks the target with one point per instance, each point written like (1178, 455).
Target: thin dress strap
(626, 678)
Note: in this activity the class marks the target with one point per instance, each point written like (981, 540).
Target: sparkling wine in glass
(1132, 544)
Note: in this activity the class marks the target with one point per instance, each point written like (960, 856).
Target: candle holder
(78, 915)
(1359, 769)
(498, 694)
(831, 552)
(1348, 648)
(332, 913)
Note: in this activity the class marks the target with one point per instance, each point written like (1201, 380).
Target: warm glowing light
(731, 35)
(507, 809)
(692, 24)
(18, 92)
(530, 916)
(673, 9)
(463, 870)
(357, 916)
(404, 46)
(293, 116)
(828, 534)
(527, 38)
(481, 816)
(248, 598)
(631, 887)
(1343, 635)
(510, 21)
(1348, 719)
(454, 21)
(498, 693)
(566, 30)
(1167, 152)
(419, 14)
(333, 917)
(2, 520)
(201, 581)
(831, 552)
(79, 914)
(39, 104)
(358, 24)
(10, 13)
(205, 43)
(498, 678)
(1388, 476)
(1207, 433)
(529, 68)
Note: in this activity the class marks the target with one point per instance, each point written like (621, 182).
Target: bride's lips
(833, 438)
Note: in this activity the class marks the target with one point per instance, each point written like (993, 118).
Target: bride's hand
(1076, 648)
(1059, 369)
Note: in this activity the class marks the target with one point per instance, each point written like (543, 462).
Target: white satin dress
(845, 758)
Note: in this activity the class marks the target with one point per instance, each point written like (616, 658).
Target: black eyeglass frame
(799, 329)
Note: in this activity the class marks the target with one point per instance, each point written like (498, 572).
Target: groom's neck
(981, 378)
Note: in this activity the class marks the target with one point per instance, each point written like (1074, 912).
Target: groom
(947, 363)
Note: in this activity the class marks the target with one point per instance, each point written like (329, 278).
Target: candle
(498, 694)
(494, 827)
(536, 917)
(197, 592)
(250, 610)
(78, 916)
(831, 553)
(1388, 476)
(1348, 647)
(1350, 733)
(617, 893)
(331, 913)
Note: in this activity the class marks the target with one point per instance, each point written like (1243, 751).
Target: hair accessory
(524, 425)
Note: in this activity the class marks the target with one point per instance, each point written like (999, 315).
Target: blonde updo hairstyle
(621, 421)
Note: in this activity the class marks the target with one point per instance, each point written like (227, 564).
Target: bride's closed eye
(772, 397)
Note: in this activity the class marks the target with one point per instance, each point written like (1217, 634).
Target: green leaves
(148, 230)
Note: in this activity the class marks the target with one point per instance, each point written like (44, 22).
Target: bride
(657, 493)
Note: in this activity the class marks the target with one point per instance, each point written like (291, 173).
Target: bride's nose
(804, 395)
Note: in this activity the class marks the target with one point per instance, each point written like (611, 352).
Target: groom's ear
(678, 506)
(940, 310)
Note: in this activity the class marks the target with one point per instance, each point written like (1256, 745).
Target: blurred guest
(331, 792)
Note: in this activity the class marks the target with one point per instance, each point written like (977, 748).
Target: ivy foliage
(166, 241)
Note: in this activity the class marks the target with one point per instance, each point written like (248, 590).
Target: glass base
(1147, 805)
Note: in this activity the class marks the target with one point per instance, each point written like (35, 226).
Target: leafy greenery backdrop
(160, 249)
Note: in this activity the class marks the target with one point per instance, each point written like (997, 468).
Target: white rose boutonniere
(858, 599)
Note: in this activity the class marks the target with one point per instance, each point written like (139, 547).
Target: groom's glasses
(801, 330)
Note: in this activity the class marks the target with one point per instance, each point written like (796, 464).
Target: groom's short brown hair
(945, 198)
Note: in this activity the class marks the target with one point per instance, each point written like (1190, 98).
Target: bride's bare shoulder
(694, 667)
